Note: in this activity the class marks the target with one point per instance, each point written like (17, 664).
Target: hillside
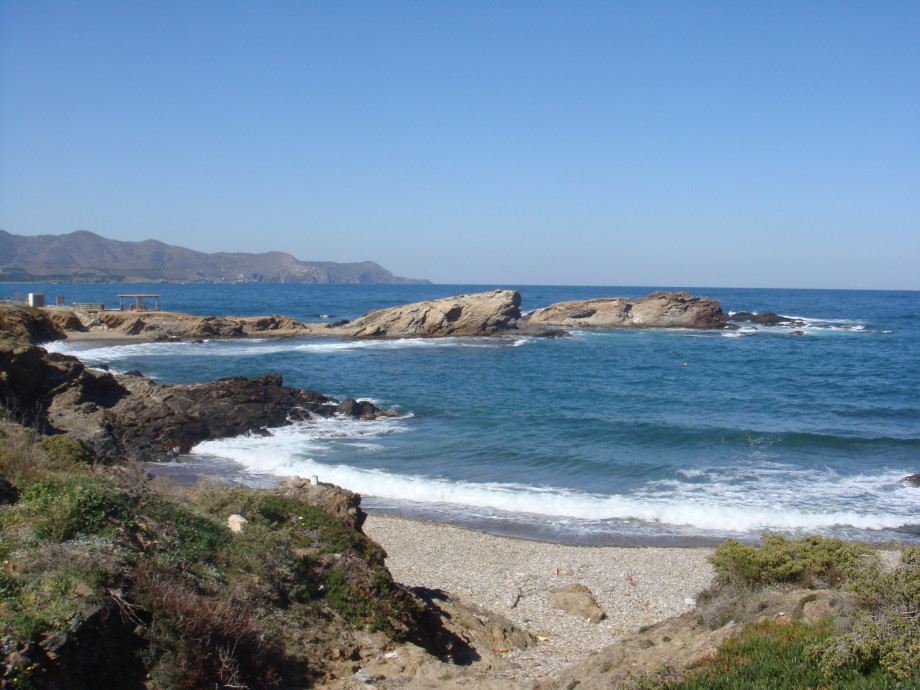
(84, 257)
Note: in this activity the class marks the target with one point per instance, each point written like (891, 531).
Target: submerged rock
(912, 480)
(657, 310)
(768, 318)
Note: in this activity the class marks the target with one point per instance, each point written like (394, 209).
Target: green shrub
(769, 656)
(64, 451)
(184, 534)
(887, 632)
(62, 510)
(37, 604)
(806, 562)
(270, 556)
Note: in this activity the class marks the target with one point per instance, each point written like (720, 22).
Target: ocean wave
(252, 347)
(769, 497)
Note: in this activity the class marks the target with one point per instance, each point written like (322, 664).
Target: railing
(88, 306)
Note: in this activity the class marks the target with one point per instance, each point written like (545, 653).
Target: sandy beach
(635, 586)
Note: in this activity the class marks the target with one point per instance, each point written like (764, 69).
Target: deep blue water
(632, 436)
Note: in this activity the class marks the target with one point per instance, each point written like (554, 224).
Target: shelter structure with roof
(139, 302)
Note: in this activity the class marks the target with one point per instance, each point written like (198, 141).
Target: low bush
(769, 656)
(807, 562)
(63, 451)
(61, 510)
(36, 604)
(200, 641)
(887, 632)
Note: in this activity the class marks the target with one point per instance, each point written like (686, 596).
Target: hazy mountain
(84, 257)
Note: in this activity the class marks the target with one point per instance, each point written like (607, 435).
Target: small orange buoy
(685, 364)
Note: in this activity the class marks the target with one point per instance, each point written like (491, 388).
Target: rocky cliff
(657, 310)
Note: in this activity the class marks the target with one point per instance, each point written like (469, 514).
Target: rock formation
(159, 325)
(132, 417)
(767, 318)
(480, 314)
(657, 310)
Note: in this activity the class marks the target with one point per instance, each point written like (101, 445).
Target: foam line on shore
(720, 504)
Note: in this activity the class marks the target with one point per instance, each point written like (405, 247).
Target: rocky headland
(657, 310)
(484, 314)
(131, 417)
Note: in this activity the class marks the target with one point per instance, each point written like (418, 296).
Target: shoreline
(636, 586)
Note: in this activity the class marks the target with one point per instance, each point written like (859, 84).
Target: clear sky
(683, 143)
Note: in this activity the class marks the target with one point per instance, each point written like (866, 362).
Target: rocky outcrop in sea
(130, 416)
(657, 310)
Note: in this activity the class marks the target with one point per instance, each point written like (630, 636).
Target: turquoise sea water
(632, 436)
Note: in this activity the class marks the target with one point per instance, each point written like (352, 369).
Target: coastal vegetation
(149, 574)
(870, 638)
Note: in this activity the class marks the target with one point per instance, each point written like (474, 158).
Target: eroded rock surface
(657, 310)
(132, 417)
(344, 504)
(481, 314)
(158, 325)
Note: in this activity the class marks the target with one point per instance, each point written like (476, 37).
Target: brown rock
(344, 504)
(657, 310)
(912, 480)
(133, 417)
(28, 325)
(577, 599)
(484, 313)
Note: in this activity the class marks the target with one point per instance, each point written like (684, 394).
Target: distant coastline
(84, 257)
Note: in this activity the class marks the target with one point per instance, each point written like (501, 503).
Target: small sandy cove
(635, 586)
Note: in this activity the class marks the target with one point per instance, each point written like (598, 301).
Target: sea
(626, 437)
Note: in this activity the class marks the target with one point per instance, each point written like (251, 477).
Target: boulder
(577, 599)
(344, 504)
(361, 409)
(481, 314)
(657, 310)
(235, 523)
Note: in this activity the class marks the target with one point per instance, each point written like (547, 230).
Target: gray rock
(576, 599)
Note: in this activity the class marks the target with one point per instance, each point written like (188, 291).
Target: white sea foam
(251, 347)
(747, 500)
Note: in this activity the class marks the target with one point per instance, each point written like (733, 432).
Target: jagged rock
(768, 318)
(577, 599)
(912, 479)
(344, 504)
(133, 417)
(484, 313)
(657, 310)
(361, 409)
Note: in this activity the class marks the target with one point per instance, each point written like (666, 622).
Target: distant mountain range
(84, 257)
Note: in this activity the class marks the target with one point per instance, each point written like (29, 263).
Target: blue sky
(758, 144)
